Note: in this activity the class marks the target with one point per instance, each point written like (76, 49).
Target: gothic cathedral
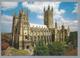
(26, 35)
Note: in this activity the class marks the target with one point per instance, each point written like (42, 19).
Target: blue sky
(68, 7)
(64, 11)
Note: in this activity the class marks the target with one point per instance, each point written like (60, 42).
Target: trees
(41, 49)
(56, 48)
(73, 39)
(4, 45)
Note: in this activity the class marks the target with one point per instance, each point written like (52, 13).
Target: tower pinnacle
(44, 9)
(49, 7)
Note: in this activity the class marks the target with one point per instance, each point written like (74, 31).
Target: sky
(65, 13)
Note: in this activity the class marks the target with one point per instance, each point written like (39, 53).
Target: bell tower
(20, 31)
(48, 17)
(23, 30)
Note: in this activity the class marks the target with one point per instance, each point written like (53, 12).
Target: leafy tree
(56, 48)
(4, 45)
(41, 49)
(73, 39)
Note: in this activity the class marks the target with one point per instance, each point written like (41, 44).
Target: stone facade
(26, 35)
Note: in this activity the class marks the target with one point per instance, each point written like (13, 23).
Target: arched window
(27, 47)
(26, 37)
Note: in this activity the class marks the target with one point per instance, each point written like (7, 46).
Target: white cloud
(72, 24)
(39, 6)
(61, 11)
(6, 23)
(40, 16)
(6, 5)
(76, 9)
(6, 19)
(60, 20)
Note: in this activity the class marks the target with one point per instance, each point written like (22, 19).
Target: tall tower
(14, 30)
(48, 17)
(21, 31)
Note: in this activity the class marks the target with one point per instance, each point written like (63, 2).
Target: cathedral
(26, 34)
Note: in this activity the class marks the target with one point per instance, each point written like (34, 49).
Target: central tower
(48, 17)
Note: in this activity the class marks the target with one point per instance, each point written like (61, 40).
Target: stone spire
(49, 7)
(20, 12)
(62, 27)
(55, 24)
(52, 9)
(44, 9)
(68, 30)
